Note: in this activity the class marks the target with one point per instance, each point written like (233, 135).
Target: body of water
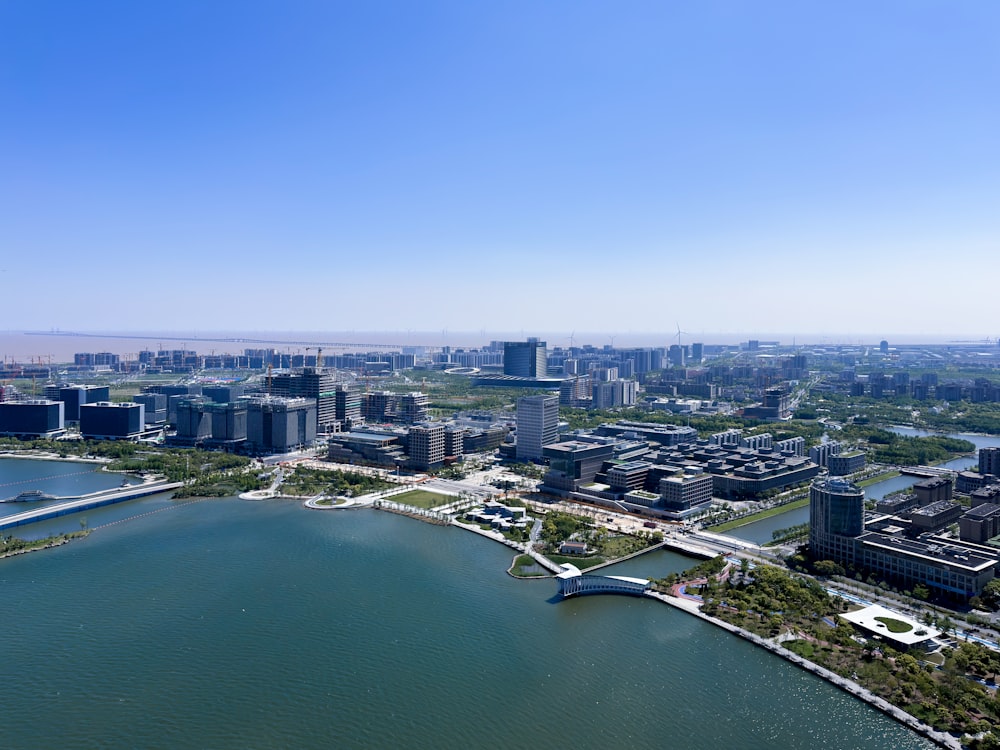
(233, 624)
(58, 478)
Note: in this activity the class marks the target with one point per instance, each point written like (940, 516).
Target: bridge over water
(86, 502)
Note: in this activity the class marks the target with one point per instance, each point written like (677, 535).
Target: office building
(223, 393)
(411, 408)
(156, 407)
(686, 490)
(75, 396)
(193, 422)
(426, 446)
(228, 424)
(37, 418)
(820, 454)
(980, 524)
(989, 461)
(315, 384)
(575, 391)
(537, 425)
(933, 490)
(573, 464)
(276, 424)
(348, 406)
(845, 463)
(836, 519)
(525, 359)
(112, 421)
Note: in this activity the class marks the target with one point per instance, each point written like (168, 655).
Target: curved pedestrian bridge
(572, 582)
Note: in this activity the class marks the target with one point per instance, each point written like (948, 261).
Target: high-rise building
(276, 424)
(426, 446)
(537, 425)
(312, 383)
(193, 423)
(525, 359)
(575, 391)
(989, 461)
(348, 406)
(156, 406)
(836, 519)
(412, 408)
(75, 396)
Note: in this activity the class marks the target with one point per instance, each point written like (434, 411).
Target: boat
(28, 496)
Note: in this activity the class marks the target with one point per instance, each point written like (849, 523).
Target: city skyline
(535, 168)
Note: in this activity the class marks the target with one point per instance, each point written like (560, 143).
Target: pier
(86, 502)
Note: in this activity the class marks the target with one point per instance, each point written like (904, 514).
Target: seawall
(940, 738)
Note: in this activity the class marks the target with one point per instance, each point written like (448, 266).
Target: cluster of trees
(788, 534)
(889, 448)
(966, 417)
(178, 464)
(948, 696)
(532, 471)
(558, 527)
(766, 599)
(332, 482)
(222, 484)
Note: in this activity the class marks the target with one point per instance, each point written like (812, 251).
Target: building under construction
(313, 383)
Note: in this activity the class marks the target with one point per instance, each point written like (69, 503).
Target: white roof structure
(867, 618)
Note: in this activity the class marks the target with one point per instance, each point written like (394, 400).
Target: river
(232, 624)
(760, 532)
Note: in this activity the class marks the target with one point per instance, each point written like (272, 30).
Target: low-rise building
(846, 463)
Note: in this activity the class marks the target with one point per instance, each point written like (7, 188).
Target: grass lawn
(526, 567)
(422, 499)
(878, 478)
(894, 625)
(580, 562)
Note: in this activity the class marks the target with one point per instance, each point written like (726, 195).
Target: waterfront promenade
(774, 646)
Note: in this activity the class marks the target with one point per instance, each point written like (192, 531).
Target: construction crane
(319, 355)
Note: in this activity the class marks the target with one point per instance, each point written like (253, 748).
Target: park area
(423, 499)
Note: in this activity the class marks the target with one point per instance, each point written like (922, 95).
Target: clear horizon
(553, 166)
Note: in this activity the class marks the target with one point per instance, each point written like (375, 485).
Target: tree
(828, 568)
(991, 594)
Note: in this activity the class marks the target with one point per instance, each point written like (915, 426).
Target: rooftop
(869, 619)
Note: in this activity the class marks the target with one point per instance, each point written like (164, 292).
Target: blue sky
(822, 168)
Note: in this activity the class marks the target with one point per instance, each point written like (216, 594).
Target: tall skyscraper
(525, 359)
(836, 518)
(537, 425)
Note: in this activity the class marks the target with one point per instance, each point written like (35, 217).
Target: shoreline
(942, 739)
(49, 545)
(45, 456)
